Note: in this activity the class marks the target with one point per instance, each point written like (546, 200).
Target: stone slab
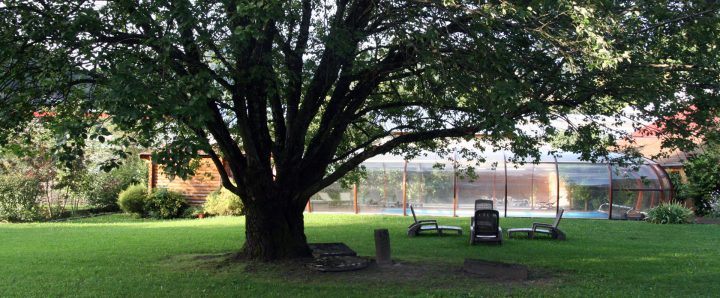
(338, 263)
(320, 250)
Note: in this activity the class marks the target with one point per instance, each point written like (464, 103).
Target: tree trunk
(273, 232)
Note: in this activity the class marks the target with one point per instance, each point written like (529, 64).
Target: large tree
(293, 95)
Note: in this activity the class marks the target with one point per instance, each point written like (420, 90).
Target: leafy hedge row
(161, 203)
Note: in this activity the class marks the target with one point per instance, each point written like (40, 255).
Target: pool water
(510, 213)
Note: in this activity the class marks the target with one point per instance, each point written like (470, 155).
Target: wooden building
(195, 189)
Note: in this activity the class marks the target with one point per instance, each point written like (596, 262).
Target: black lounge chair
(428, 225)
(542, 228)
(485, 223)
(481, 204)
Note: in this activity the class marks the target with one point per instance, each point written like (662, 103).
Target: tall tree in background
(296, 94)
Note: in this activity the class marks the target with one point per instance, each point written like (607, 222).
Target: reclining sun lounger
(542, 228)
(428, 225)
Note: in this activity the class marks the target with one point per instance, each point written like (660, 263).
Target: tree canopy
(293, 95)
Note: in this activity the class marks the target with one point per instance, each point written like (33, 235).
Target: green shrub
(132, 199)
(713, 210)
(163, 203)
(193, 212)
(669, 213)
(104, 187)
(18, 198)
(703, 181)
(223, 202)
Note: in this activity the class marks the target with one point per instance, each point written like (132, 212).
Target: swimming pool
(510, 213)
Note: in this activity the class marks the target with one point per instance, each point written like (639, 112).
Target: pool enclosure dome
(560, 180)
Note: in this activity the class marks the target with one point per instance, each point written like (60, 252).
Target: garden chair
(428, 225)
(485, 227)
(542, 228)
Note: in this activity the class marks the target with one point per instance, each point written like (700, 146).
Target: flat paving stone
(320, 250)
(339, 263)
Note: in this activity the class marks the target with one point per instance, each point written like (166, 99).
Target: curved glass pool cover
(583, 189)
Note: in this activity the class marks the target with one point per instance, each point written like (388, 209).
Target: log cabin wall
(195, 189)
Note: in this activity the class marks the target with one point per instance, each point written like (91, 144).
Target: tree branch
(386, 147)
(678, 19)
(224, 176)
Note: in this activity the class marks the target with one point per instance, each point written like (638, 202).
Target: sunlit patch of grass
(120, 255)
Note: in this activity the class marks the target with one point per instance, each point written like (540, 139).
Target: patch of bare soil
(400, 273)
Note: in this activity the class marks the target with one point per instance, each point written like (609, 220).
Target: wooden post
(382, 247)
(151, 175)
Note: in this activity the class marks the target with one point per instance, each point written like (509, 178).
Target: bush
(18, 198)
(165, 204)
(669, 213)
(223, 202)
(703, 181)
(132, 199)
(713, 208)
(193, 212)
(104, 187)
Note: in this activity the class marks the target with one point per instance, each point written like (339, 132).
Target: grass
(120, 256)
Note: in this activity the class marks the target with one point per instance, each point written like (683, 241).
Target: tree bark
(274, 232)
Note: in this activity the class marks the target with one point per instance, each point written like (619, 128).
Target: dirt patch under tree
(400, 273)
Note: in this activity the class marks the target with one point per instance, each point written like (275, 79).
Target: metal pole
(641, 194)
(532, 188)
(670, 186)
(506, 182)
(658, 173)
(355, 198)
(404, 189)
(455, 193)
(494, 186)
(557, 186)
(611, 191)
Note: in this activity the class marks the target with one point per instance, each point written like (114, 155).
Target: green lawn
(120, 256)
